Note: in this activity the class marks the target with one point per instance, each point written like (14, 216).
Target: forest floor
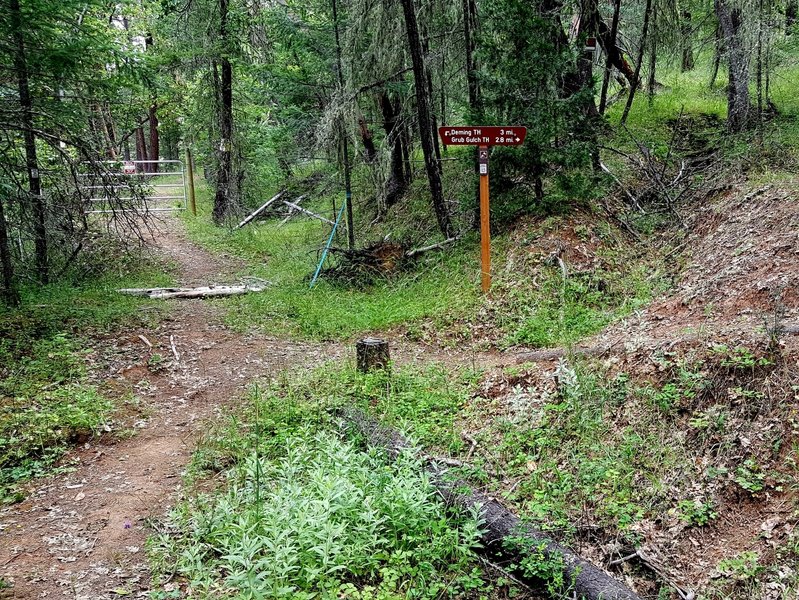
(82, 534)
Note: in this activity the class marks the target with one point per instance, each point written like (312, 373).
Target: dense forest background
(342, 98)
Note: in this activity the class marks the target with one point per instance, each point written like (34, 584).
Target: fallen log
(503, 532)
(292, 212)
(307, 212)
(438, 246)
(196, 292)
(260, 209)
(556, 353)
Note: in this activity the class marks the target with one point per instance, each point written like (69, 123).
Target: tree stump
(372, 354)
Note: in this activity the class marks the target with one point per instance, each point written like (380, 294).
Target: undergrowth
(48, 401)
(598, 453)
(444, 283)
(302, 511)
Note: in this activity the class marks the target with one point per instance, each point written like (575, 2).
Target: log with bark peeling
(261, 209)
(209, 291)
(438, 246)
(292, 212)
(293, 206)
(503, 532)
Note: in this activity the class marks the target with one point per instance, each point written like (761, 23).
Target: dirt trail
(81, 535)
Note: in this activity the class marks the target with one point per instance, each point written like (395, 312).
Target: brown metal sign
(482, 135)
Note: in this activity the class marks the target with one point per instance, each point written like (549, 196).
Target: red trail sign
(482, 135)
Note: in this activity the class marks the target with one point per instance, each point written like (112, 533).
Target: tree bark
(469, 8)
(345, 150)
(687, 46)
(372, 353)
(367, 139)
(504, 534)
(432, 165)
(732, 28)
(38, 209)
(638, 61)
(10, 293)
(141, 148)
(108, 137)
(397, 182)
(609, 44)
(717, 46)
(223, 200)
(155, 149)
(759, 71)
(653, 53)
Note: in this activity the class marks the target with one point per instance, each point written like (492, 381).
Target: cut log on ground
(292, 212)
(503, 532)
(556, 353)
(261, 209)
(438, 246)
(372, 353)
(210, 291)
(307, 212)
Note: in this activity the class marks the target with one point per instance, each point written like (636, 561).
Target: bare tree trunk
(687, 46)
(767, 61)
(608, 40)
(397, 182)
(10, 293)
(731, 20)
(425, 120)
(717, 45)
(611, 43)
(589, 26)
(222, 199)
(112, 130)
(345, 150)
(425, 37)
(653, 53)
(367, 139)
(31, 160)
(108, 139)
(406, 140)
(759, 71)
(638, 61)
(155, 149)
(141, 148)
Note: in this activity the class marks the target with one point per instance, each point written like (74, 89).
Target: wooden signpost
(483, 137)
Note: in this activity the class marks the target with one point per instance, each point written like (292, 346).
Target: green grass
(526, 305)
(47, 398)
(689, 94)
(445, 283)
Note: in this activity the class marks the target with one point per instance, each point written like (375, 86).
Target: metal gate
(115, 182)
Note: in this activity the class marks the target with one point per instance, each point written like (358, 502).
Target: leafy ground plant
(47, 401)
(324, 520)
(45, 404)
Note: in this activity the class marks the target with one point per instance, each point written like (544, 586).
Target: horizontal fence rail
(109, 188)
